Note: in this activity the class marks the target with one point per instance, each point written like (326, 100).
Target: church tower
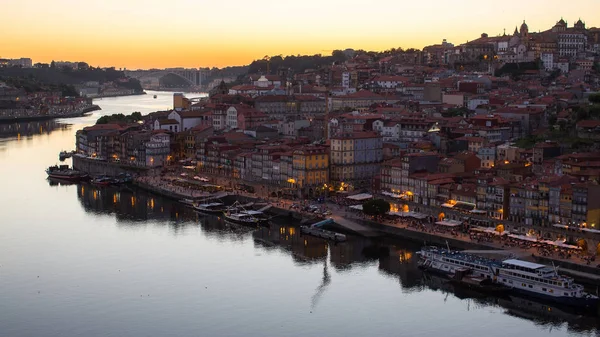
(524, 30)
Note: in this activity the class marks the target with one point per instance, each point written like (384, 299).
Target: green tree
(376, 207)
(594, 98)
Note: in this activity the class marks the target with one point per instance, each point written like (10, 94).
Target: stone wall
(98, 167)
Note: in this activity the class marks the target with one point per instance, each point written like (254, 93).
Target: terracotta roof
(167, 121)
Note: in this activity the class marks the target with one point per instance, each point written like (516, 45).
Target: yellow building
(180, 102)
(311, 168)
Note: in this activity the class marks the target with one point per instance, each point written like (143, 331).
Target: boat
(64, 155)
(241, 218)
(123, 178)
(187, 202)
(63, 172)
(463, 277)
(521, 277)
(155, 96)
(102, 181)
(210, 208)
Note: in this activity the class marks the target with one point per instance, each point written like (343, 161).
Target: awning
(360, 197)
(358, 207)
(465, 206)
(393, 195)
(410, 214)
(522, 237)
(489, 230)
(478, 211)
(449, 223)
(560, 244)
(447, 205)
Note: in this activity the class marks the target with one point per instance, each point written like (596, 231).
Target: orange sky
(188, 33)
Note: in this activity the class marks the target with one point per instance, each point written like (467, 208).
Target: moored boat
(521, 277)
(210, 208)
(241, 218)
(63, 172)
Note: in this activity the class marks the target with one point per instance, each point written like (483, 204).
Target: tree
(594, 98)
(552, 120)
(376, 207)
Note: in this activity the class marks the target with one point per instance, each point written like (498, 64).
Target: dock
(354, 226)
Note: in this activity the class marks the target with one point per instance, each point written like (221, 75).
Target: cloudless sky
(200, 33)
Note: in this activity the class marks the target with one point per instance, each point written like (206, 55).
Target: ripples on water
(77, 260)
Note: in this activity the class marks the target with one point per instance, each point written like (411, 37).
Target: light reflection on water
(122, 262)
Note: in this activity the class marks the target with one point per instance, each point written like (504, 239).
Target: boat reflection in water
(132, 206)
(395, 259)
(544, 314)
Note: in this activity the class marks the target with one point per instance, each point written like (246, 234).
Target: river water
(76, 260)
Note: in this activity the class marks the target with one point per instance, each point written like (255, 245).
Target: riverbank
(372, 229)
(25, 116)
(117, 95)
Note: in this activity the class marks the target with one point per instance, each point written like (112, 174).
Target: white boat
(531, 279)
(241, 218)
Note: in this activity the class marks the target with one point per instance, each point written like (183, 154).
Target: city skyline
(153, 34)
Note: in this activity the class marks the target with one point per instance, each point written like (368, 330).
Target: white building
(389, 130)
(157, 150)
(487, 154)
(473, 103)
(547, 60)
(571, 43)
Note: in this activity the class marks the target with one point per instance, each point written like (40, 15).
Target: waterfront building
(355, 158)
(158, 149)
(310, 169)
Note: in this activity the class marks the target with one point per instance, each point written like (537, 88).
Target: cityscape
(346, 192)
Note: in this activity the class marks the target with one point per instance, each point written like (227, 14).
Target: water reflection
(20, 130)
(133, 207)
(394, 259)
(542, 314)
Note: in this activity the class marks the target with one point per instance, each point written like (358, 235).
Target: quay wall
(99, 167)
(159, 191)
(31, 118)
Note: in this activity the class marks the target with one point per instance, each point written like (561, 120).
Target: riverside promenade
(425, 233)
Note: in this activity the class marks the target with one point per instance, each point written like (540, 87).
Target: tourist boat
(63, 172)
(210, 208)
(522, 277)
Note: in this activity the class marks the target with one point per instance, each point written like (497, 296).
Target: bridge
(151, 78)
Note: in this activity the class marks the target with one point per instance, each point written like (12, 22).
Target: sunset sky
(198, 33)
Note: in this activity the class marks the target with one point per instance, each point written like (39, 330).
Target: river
(76, 260)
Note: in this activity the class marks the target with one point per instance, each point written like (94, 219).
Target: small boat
(323, 233)
(210, 208)
(64, 155)
(63, 172)
(123, 178)
(464, 277)
(155, 96)
(102, 181)
(241, 219)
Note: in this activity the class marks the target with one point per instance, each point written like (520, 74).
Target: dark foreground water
(76, 260)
